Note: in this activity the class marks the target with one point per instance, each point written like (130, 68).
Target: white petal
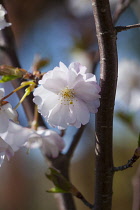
(49, 104)
(57, 116)
(86, 91)
(5, 150)
(52, 143)
(2, 93)
(11, 114)
(63, 66)
(4, 121)
(16, 135)
(93, 106)
(55, 85)
(81, 111)
(78, 67)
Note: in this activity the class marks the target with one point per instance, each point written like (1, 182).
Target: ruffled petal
(49, 104)
(4, 121)
(86, 91)
(2, 93)
(81, 111)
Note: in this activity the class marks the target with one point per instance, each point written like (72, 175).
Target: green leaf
(6, 70)
(7, 78)
(56, 190)
(62, 185)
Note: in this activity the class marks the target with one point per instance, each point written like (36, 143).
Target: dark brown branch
(104, 120)
(125, 28)
(75, 141)
(130, 162)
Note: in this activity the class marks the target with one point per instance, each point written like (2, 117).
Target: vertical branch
(9, 47)
(104, 120)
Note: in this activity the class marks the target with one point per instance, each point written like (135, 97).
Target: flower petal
(4, 122)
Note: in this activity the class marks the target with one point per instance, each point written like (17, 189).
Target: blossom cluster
(65, 97)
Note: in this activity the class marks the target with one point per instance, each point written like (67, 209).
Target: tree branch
(104, 120)
(121, 7)
(125, 28)
(130, 162)
(9, 48)
(75, 141)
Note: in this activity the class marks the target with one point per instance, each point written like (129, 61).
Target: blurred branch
(120, 8)
(136, 190)
(62, 163)
(9, 48)
(75, 141)
(125, 28)
(130, 162)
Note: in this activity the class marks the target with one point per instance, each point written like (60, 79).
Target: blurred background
(63, 30)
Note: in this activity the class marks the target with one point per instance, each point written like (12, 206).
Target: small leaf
(125, 117)
(61, 183)
(42, 63)
(12, 71)
(56, 190)
(7, 78)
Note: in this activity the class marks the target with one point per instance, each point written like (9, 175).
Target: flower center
(67, 96)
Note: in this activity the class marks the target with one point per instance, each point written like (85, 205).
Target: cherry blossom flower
(5, 150)
(50, 143)
(11, 140)
(6, 113)
(3, 22)
(66, 96)
(128, 91)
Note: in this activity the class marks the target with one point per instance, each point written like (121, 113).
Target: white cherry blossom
(66, 96)
(12, 140)
(49, 142)
(3, 22)
(6, 113)
(5, 150)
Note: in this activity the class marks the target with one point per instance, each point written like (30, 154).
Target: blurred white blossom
(66, 96)
(83, 7)
(14, 138)
(50, 142)
(3, 22)
(6, 113)
(128, 88)
(5, 150)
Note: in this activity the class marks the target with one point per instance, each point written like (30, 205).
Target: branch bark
(104, 120)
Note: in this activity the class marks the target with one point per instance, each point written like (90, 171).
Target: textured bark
(104, 120)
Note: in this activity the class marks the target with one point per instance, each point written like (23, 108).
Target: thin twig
(89, 205)
(125, 28)
(75, 141)
(121, 7)
(130, 162)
